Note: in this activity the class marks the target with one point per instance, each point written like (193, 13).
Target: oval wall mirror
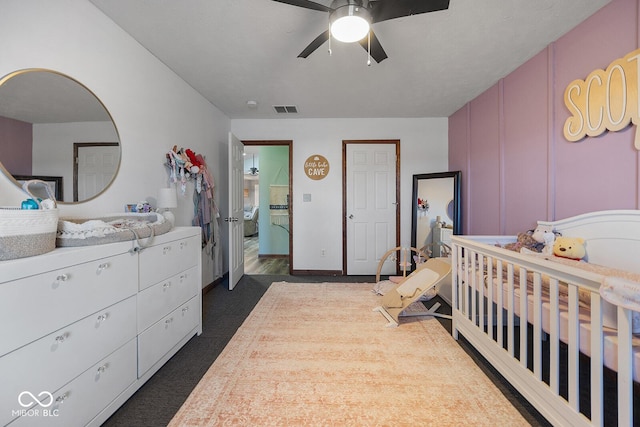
(54, 128)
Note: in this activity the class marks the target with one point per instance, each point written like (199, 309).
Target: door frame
(346, 142)
(76, 148)
(288, 143)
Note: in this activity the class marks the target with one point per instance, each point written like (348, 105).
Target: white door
(97, 165)
(371, 207)
(236, 217)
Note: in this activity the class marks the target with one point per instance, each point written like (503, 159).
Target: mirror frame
(14, 180)
(457, 214)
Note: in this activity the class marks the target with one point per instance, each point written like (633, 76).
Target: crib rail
(536, 341)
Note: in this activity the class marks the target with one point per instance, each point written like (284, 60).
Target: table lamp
(167, 200)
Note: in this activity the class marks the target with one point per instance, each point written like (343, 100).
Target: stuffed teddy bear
(524, 242)
(570, 247)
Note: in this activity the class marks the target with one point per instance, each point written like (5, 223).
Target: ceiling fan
(369, 11)
(254, 169)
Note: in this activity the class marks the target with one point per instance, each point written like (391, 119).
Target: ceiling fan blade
(306, 4)
(319, 41)
(377, 52)
(383, 10)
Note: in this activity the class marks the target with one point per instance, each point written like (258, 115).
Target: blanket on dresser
(110, 229)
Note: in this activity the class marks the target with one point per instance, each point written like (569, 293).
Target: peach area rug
(315, 354)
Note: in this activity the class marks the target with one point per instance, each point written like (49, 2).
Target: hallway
(264, 265)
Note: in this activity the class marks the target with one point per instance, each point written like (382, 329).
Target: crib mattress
(610, 347)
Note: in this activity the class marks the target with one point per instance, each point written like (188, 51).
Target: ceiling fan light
(350, 23)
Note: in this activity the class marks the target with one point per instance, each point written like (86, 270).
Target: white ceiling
(235, 51)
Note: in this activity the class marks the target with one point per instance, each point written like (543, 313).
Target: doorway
(267, 208)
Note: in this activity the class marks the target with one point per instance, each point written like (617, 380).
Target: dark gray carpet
(224, 311)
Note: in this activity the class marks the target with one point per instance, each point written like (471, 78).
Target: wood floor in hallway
(253, 264)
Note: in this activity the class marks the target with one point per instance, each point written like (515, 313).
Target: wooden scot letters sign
(605, 100)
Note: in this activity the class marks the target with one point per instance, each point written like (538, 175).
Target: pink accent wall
(483, 161)
(516, 165)
(16, 146)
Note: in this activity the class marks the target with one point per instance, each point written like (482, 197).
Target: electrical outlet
(322, 252)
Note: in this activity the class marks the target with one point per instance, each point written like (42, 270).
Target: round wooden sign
(316, 167)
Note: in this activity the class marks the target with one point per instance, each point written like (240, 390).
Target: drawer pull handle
(169, 320)
(102, 267)
(183, 245)
(62, 278)
(102, 318)
(184, 310)
(166, 286)
(102, 368)
(60, 339)
(166, 250)
(62, 398)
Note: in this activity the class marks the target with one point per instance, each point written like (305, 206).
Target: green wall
(274, 170)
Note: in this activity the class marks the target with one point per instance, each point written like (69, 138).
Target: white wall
(318, 224)
(152, 108)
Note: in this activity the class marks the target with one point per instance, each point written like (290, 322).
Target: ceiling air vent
(285, 109)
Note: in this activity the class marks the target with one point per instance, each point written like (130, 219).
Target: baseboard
(214, 283)
(316, 273)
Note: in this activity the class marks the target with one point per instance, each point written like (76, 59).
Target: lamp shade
(167, 198)
(350, 23)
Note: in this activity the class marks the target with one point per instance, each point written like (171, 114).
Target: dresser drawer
(160, 299)
(37, 305)
(168, 259)
(156, 341)
(78, 402)
(51, 361)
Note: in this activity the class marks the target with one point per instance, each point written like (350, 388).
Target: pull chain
(329, 39)
(369, 49)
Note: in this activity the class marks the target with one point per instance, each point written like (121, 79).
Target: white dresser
(81, 329)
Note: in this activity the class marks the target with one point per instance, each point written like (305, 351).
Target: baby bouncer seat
(426, 276)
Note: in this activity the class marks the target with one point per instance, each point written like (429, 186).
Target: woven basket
(28, 232)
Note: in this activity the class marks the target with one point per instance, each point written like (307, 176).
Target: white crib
(560, 324)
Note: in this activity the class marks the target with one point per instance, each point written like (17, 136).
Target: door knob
(351, 216)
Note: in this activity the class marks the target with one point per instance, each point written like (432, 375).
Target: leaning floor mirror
(436, 212)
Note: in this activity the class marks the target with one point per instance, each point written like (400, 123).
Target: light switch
(306, 197)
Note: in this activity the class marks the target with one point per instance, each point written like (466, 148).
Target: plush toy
(549, 240)
(525, 242)
(545, 236)
(185, 159)
(193, 159)
(570, 247)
